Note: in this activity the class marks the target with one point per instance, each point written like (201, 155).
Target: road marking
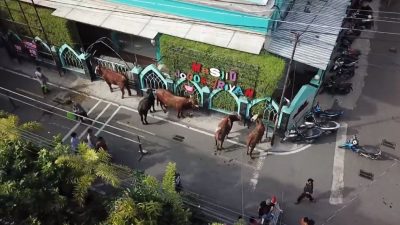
(95, 119)
(108, 120)
(28, 92)
(338, 167)
(77, 124)
(97, 103)
(256, 172)
(136, 128)
(228, 159)
(262, 151)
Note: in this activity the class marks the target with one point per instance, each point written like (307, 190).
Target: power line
(224, 24)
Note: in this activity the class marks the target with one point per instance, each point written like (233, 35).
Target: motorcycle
(308, 135)
(327, 127)
(329, 114)
(371, 152)
(341, 62)
(334, 87)
(343, 74)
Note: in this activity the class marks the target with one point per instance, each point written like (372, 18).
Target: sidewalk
(201, 121)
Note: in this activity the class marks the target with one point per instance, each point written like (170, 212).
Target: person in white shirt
(91, 138)
(42, 79)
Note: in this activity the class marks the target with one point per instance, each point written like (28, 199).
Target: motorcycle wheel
(310, 141)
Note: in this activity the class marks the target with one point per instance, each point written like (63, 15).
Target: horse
(223, 129)
(167, 99)
(145, 105)
(112, 77)
(255, 135)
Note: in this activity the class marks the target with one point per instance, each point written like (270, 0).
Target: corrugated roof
(148, 24)
(317, 42)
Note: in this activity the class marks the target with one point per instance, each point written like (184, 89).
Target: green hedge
(258, 108)
(260, 72)
(225, 101)
(59, 31)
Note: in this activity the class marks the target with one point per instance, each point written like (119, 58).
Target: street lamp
(296, 41)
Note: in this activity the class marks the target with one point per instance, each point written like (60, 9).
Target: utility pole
(45, 36)
(296, 41)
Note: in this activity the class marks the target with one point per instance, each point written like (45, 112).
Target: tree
(149, 203)
(33, 179)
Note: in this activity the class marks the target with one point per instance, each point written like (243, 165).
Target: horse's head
(97, 70)
(235, 117)
(194, 102)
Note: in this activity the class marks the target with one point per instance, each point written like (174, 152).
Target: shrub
(258, 108)
(260, 72)
(59, 31)
(225, 101)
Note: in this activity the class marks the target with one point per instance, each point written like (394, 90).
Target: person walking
(91, 138)
(101, 143)
(42, 79)
(74, 142)
(307, 192)
(78, 109)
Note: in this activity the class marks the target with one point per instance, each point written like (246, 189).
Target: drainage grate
(368, 175)
(388, 144)
(178, 138)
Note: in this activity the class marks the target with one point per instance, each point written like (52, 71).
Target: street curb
(263, 152)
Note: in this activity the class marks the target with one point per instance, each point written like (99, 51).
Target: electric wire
(45, 142)
(175, 18)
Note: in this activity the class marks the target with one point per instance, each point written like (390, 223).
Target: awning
(147, 24)
(319, 39)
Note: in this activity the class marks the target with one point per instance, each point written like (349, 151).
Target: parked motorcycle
(350, 51)
(334, 87)
(343, 62)
(329, 114)
(308, 135)
(326, 126)
(371, 152)
(344, 74)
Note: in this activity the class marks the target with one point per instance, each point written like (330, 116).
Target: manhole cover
(178, 138)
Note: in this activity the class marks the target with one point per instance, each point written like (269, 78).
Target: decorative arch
(70, 59)
(151, 77)
(198, 89)
(215, 93)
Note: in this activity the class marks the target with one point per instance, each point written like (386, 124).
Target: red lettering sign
(196, 67)
(203, 81)
(249, 93)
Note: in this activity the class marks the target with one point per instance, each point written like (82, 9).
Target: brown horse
(223, 129)
(112, 77)
(255, 135)
(167, 99)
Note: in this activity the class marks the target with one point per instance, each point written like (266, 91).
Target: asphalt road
(230, 180)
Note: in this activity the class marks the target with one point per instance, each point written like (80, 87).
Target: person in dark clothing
(78, 109)
(306, 221)
(307, 192)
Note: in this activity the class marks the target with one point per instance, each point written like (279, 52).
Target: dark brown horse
(223, 129)
(145, 105)
(167, 99)
(112, 77)
(255, 135)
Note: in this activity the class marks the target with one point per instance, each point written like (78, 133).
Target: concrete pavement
(202, 122)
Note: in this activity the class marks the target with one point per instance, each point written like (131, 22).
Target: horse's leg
(251, 151)
(141, 117)
(154, 109)
(123, 92)
(222, 142)
(247, 152)
(145, 118)
(109, 85)
(128, 89)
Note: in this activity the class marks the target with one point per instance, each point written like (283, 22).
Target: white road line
(262, 151)
(28, 92)
(70, 131)
(338, 168)
(77, 124)
(136, 128)
(95, 119)
(91, 110)
(256, 172)
(108, 120)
